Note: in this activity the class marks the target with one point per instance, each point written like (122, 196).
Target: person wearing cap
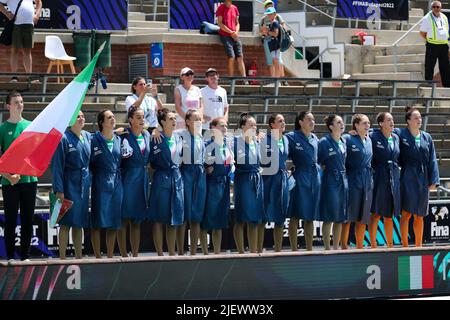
(228, 20)
(214, 99)
(273, 33)
(266, 38)
(187, 96)
(435, 30)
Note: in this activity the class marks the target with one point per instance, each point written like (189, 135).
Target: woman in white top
(187, 96)
(139, 99)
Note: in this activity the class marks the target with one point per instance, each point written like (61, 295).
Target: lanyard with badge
(440, 28)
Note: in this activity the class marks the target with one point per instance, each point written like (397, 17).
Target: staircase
(410, 64)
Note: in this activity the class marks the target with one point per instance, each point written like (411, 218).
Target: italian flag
(30, 154)
(415, 272)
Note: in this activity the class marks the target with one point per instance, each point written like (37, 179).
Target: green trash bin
(104, 60)
(82, 48)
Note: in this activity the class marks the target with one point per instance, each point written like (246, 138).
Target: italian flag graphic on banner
(31, 153)
(415, 272)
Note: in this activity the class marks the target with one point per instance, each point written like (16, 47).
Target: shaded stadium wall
(199, 57)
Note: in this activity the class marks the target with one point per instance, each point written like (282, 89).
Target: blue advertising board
(363, 10)
(156, 55)
(83, 15)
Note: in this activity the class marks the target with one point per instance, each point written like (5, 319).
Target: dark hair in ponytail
(243, 119)
(409, 111)
(101, 119)
(272, 118)
(381, 116)
(300, 116)
(328, 120)
(162, 115)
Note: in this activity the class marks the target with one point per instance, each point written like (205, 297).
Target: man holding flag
(18, 190)
(29, 147)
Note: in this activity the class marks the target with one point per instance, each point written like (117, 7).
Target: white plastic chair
(55, 52)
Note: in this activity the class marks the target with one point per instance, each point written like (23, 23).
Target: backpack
(285, 39)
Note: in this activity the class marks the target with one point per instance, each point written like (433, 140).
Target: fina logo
(439, 228)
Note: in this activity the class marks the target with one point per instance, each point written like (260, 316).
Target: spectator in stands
(435, 31)
(386, 178)
(18, 191)
(266, 38)
(305, 196)
(194, 179)
(187, 96)
(274, 152)
(219, 164)
(23, 32)
(107, 190)
(167, 191)
(248, 186)
(273, 33)
(334, 193)
(214, 99)
(135, 158)
(228, 21)
(71, 179)
(360, 180)
(419, 174)
(140, 99)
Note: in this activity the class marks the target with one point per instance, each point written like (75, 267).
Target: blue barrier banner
(83, 15)
(189, 14)
(364, 10)
(156, 55)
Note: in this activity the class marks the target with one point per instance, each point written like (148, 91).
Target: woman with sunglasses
(219, 165)
(71, 179)
(107, 190)
(274, 153)
(167, 190)
(187, 96)
(248, 186)
(135, 158)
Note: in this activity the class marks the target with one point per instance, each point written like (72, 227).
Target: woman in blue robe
(386, 178)
(194, 179)
(135, 158)
(71, 180)
(167, 190)
(360, 180)
(305, 196)
(274, 153)
(248, 186)
(419, 174)
(334, 192)
(107, 190)
(219, 165)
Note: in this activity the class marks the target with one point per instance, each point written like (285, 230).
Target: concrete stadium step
(416, 12)
(138, 24)
(401, 67)
(413, 19)
(136, 16)
(407, 49)
(389, 75)
(145, 31)
(148, 8)
(406, 58)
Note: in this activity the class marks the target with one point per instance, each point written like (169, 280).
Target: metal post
(233, 89)
(155, 9)
(277, 91)
(394, 94)
(44, 88)
(266, 108)
(357, 93)
(430, 103)
(320, 91)
(395, 57)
